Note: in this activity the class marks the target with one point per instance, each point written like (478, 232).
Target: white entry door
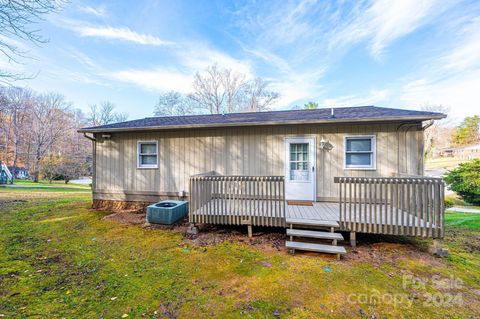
(300, 176)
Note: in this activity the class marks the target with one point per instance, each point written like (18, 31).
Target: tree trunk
(16, 141)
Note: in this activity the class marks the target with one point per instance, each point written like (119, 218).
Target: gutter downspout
(93, 139)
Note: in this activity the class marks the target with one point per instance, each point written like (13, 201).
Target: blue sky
(405, 54)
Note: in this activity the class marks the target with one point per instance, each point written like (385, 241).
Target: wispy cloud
(188, 59)
(373, 97)
(156, 79)
(95, 11)
(452, 77)
(383, 21)
(123, 34)
(465, 52)
(197, 56)
(459, 93)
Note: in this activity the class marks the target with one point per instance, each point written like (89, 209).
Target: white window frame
(139, 162)
(373, 152)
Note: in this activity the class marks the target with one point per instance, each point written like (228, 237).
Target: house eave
(218, 125)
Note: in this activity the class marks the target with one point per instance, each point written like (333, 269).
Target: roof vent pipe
(332, 114)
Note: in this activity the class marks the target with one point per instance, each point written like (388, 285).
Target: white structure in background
(468, 152)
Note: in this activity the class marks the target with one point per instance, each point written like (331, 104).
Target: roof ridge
(270, 111)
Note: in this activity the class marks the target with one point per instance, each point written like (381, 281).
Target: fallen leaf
(113, 298)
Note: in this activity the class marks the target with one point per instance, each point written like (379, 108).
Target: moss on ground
(59, 258)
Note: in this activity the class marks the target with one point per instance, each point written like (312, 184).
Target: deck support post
(192, 229)
(436, 248)
(250, 231)
(353, 239)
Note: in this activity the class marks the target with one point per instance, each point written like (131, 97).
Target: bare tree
(16, 102)
(173, 103)
(257, 97)
(36, 128)
(438, 134)
(234, 85)
(18, 20)
(50, 120)
(208, 89)
(105, 114)
(219, 90)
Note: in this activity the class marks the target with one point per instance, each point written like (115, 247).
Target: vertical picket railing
(237, 200)
(410, 206)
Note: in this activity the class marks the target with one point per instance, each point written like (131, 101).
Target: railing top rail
(235, 178)
(419, 179)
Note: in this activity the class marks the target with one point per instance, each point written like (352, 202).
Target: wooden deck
(383, 205)
(322, 211)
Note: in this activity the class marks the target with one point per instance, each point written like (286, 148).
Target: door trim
(301, 138)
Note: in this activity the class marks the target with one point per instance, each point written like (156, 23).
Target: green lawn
(443, 163)
(60, 259)
(44, 183)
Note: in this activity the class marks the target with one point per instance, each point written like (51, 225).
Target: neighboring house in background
(467, 152)
(5, 174)
(355, 169)
(20, 172)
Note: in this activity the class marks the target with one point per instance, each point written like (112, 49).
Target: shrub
(449, 202)
(465, 181)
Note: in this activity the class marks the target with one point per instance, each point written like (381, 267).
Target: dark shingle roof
(322, 115)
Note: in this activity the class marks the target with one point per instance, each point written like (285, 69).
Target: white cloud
(115, 33)
(451, 78)
(374, 97)
(270, 58)
(156, 79)
(297, 88)
(197, 57)
(465, 52)
(95, 11)
(385, 21)
(460, 93)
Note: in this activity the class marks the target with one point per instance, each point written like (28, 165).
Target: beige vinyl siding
(243, 151)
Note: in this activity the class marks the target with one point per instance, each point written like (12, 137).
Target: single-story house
(354, 169)
(467, 152)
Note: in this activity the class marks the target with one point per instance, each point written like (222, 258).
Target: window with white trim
(360, 152)
(147, 154)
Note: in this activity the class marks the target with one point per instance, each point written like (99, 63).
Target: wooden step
(316, 247)
(313, 234)
(312, 222)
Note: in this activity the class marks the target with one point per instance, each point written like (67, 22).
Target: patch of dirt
(377, 249)
(267, 239)
(119, 206)
(374, 249)
(127, 217)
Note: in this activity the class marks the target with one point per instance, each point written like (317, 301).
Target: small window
(360, 152)
(299, 162)
(147, 154)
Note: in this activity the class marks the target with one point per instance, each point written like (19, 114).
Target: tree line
(39, 132)
(218, 90)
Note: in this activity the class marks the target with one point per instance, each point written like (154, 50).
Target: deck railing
(411, 206)
(237, 200)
